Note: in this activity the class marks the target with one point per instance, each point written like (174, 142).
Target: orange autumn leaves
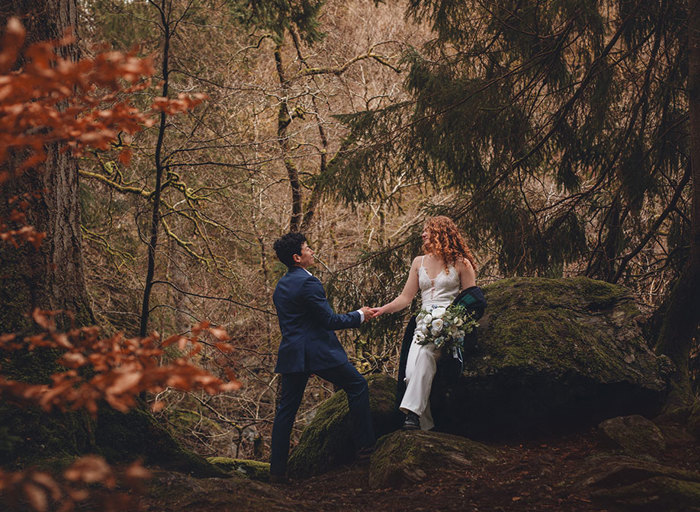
(84, 103)
(114, 369)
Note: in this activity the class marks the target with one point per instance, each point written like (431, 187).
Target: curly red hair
(445, 241)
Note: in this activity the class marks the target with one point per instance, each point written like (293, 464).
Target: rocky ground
(531, 476)
(574, 473)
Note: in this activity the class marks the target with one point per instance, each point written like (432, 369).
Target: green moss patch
(252, 469)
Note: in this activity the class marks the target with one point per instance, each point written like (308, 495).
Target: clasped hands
(371, 313)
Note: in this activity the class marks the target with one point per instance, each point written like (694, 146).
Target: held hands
(378, 311)
(368, 312)
(371, 313)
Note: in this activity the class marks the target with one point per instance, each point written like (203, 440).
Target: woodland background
(557, 135)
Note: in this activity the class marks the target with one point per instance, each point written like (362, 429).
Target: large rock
(555, 353)
(327, 442)
(408, 457)
(634, 435)
(629, 484)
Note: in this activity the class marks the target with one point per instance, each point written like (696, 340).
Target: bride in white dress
(446, 268)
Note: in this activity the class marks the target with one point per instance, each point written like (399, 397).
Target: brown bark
(164, 9)
(283, 121)
(53, 277)
(683, 315)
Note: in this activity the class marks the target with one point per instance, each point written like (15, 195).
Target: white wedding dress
(421, 362)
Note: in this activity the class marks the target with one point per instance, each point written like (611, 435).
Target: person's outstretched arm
(315, 296)
(409, 291)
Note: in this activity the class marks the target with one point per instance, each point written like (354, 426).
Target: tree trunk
(53, 277)
(283, 121)
(683, 315)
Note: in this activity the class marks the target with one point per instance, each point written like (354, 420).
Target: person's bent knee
(357, 388)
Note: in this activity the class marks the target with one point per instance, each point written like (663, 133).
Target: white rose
(438, 312)
(428, 318)
(436, 326)
(423, 330)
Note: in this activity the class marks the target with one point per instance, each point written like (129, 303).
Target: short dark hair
(287, 246)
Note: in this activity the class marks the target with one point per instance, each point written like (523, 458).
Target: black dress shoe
(412, 421)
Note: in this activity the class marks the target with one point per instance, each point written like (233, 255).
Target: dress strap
(422, 259)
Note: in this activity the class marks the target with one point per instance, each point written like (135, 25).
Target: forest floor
(529, 476)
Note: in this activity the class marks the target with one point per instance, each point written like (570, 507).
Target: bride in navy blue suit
(308, 346)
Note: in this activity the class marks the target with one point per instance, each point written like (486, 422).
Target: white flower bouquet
(445, 326)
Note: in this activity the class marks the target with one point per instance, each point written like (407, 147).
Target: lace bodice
(441, 290)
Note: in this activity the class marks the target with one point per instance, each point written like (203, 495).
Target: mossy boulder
(630, 484)
(253, 469)
(634, 435)
(327, 442)
(405, 458)
(555, 353)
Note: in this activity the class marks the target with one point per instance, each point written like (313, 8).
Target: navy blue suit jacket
(307, 323)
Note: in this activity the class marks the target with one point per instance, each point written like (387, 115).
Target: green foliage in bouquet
(444, 326)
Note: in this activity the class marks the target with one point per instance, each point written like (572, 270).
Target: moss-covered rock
(404, 458)
(327, 442)
(253, 469)
(555, 353)
(634, 435)
(629, 484)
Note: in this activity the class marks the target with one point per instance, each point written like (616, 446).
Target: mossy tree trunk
(52, 277)
(683, 314)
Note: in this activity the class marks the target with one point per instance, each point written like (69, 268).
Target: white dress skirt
(422, 359)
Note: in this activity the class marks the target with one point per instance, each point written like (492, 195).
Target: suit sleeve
(318, 305)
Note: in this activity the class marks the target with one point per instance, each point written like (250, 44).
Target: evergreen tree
(564, 125)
